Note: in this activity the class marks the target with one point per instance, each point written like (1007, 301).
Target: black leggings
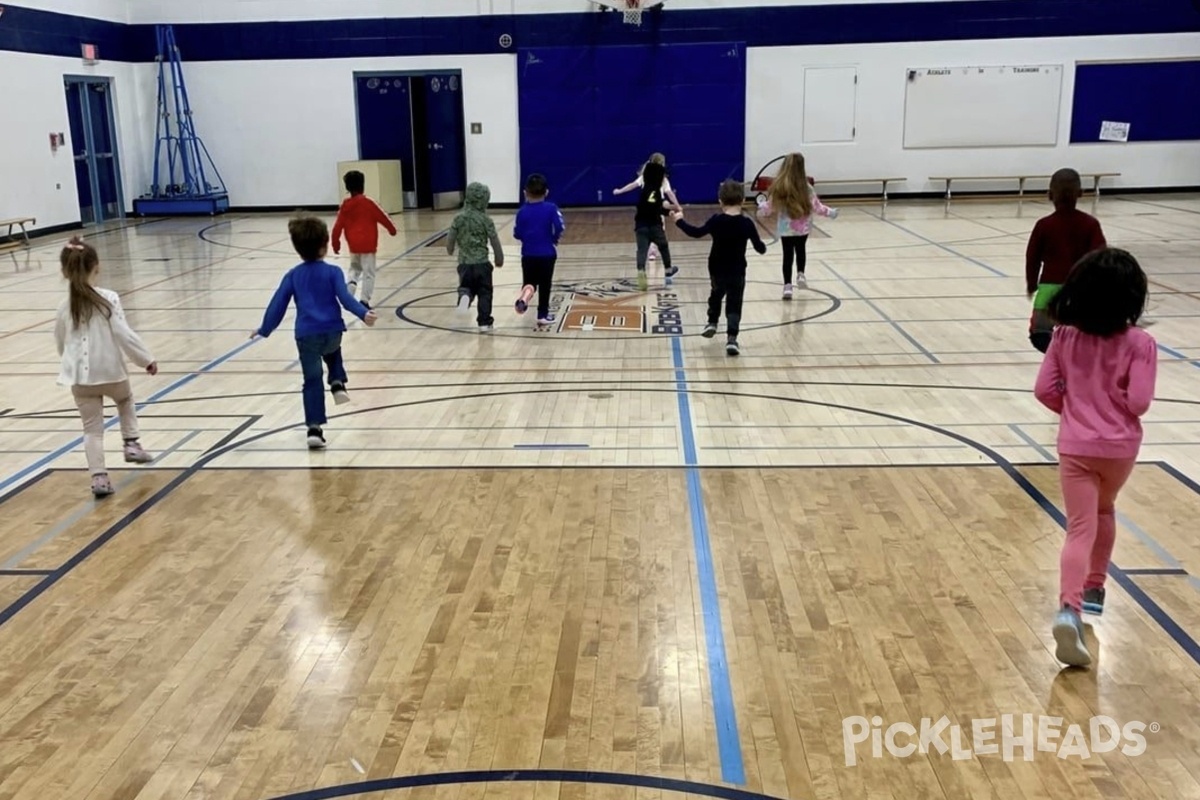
(794, 250)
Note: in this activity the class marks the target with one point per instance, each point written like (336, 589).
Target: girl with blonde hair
(794, 201)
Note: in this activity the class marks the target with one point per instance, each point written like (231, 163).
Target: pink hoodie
(1101, 387)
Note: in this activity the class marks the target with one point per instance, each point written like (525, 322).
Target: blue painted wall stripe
(50, 33)
(729, 744)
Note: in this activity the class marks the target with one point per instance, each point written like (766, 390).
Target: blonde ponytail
(78, 259)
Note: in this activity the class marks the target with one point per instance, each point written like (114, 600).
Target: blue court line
(49, 458)
(551, 446)
(1156, 572)
(880, 312)
(1176, 354)
(729, 744)
(939, 245)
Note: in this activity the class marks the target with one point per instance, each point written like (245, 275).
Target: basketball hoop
(633, 12)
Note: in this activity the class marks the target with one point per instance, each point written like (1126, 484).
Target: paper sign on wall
(1114, 131)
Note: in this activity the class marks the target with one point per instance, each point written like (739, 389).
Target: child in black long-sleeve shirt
(730, 231)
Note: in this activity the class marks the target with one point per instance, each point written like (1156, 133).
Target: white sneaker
(801, 281)
(1068, 636)
(787, 291)
(464, 303)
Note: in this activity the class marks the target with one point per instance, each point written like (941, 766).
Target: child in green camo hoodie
(470, 232)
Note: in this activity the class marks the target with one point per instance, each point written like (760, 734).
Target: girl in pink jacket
(793, 200)
(1098, 375)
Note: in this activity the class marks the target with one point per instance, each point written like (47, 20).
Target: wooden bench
(860, 181)
(763, 183)
(16, 222)
(1021, 180)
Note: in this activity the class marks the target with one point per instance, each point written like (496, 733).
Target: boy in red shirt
(1055, 246)
(360, 217)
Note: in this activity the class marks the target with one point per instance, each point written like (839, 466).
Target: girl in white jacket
(94, 340)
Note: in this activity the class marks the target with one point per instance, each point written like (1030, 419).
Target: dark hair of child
(653, 175)
(310, 236)
(1065, 188)
(731, 193)
(355, 182)
(536, 186)
(1104, 294)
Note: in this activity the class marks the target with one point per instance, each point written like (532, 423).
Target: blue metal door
(80, 152)
(445, 139)
(105, 164)
(385, 126)
(94, 149)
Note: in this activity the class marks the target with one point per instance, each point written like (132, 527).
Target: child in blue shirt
(538, 227)
(317, 287)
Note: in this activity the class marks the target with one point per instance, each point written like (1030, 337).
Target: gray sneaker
(709, 331)
(1093, 601)
(1068, 634)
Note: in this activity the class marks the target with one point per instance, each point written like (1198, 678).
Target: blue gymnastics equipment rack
(186, 186)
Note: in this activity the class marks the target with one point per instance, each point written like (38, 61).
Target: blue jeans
(325, 347)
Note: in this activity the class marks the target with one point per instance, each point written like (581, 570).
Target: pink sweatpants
(1089, 487)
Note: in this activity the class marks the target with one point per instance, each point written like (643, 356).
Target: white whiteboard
(982, 106)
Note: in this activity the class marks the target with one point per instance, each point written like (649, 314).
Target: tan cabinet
(382, 179)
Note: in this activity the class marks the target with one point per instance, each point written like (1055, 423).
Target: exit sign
(91, 54)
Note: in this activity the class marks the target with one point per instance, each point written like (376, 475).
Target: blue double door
(589, 117)
(94, 148)
(418, 120)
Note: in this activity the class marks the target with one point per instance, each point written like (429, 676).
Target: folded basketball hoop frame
(631, 10)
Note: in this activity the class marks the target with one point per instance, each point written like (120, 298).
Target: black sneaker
(340, 395)
(316, 439)
(731, 348)
(1093, 601)
(672, 271)
(709, 331)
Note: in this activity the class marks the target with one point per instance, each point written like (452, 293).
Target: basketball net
(633, 12)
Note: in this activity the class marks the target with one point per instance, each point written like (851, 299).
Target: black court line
(1124, 579)
(1156, 571)
(16, 490)
(527, 776)
(650, 296)
(1179, 476)
(23, 573)
(601, 383)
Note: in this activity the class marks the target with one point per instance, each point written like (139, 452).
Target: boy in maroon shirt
(360, 217)
(1056, 244)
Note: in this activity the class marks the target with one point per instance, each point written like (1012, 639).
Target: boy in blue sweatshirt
(538, 227)
(317, 288)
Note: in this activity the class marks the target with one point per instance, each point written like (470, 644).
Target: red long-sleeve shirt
(360, 218)
(1057, 242)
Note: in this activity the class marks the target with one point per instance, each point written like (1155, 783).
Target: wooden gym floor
(601, 562)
